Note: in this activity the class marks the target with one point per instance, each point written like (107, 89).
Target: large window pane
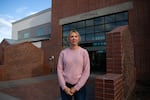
(90, 37)
(99, 28)
(89, 22)
(121, 23)
(90, 30)
(19, 36)
(122, 16)
(65, 41)
(73, 26)
(110, 18)
(40, 32)
(82, 38)
(81, 31)
(100, 36)
(81, 24)
(99, 20)
(65, 33)
(109, 27)
(66, 27)
(26, 35)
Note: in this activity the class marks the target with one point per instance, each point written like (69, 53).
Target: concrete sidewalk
(4, 96)
(37, 88)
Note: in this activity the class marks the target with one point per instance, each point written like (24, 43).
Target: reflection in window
(66, 27)
(99, 20)
(82, 37)
(110, 26)
(65, 33)
(100, 36)
(90, 37)
(121, 23)
(89, 30)
(81, 31)
(89, 22)
(73, 25)
(122, 16)
(65, 41)
(110, 18)
(99, 28)
(80, 24)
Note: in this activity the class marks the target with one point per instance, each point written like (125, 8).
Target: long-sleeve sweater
(73, 67)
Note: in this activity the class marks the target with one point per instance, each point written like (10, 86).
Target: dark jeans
(79, 95)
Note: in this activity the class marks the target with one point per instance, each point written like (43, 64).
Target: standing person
(73, 69)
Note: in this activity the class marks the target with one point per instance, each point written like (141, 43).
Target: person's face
(73, 38)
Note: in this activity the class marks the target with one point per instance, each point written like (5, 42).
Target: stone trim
(96, 13)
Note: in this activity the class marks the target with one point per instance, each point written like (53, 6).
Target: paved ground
(37, 88)
(47, 88)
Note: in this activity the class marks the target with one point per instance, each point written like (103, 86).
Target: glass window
(73, 26)
(95, 28)
(89, 22)
(99, 20)
(110, 18)
(89, 30)
(109, 27)
(100, 36)
(99, 28)
(122, 16)
(81, 31)
(65, 33)
(65, 41)
(80, 24)
(82, 37)
(90, 37)
(121, 23)
(66, 27)
(26, 35)
(19, 36)
(40, 32)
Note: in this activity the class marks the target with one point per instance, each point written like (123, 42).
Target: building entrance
(97, 61)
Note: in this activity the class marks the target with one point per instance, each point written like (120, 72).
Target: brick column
(120, 61)
(109, 87)
(114, 52)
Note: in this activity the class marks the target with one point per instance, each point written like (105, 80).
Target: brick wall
(1, 54)
(120, 56)
(22, 60)
(109, 87)
(120, 60)
(139, 27)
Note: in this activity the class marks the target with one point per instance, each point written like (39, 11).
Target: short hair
(74, 31)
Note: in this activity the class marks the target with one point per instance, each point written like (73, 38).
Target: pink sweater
(73, 67)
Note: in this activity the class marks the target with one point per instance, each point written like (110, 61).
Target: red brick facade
(21, 61)
(138, 25)
(109, 87)
(127, 50)
(120, 61)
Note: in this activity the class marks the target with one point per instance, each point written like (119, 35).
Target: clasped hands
(70, 91)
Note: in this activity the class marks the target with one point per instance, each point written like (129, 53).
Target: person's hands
(68, 91)
(73, 90)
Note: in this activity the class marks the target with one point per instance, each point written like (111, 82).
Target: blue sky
(13, 10)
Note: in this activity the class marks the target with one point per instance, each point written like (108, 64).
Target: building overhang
(98, 12)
